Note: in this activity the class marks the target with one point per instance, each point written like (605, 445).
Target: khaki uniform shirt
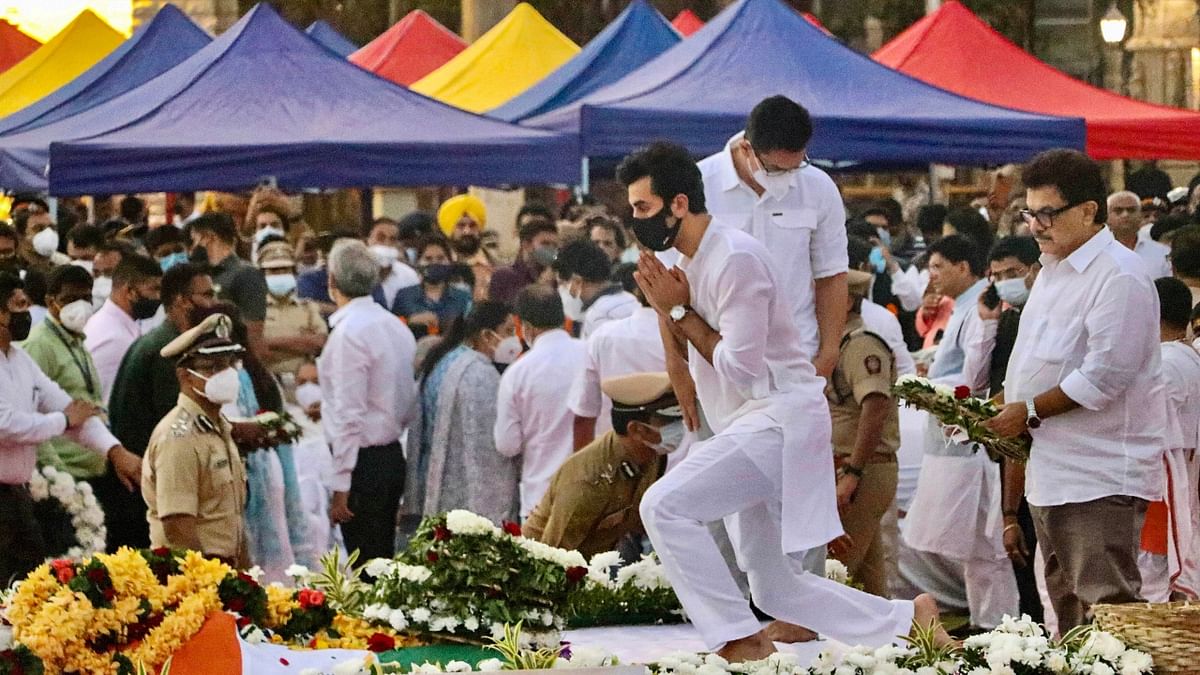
(193, 468)
(593, 499)
(289, 317)
(865, 366)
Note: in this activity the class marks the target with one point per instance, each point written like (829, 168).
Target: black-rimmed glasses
(1045, 217)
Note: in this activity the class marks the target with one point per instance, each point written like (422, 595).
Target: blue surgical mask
(878, 261)
(1013, 291)
(172, 260)
(670, 438)
(885, 237)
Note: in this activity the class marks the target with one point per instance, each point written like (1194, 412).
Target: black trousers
(22, 547)
(375, 490)
(124, 512)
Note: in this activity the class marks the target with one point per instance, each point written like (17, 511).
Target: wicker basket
(1168, 632)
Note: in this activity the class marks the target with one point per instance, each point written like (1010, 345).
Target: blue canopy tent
(637, 35)
(154, 49)
(263, 100)
(328, 36)
(699, 93)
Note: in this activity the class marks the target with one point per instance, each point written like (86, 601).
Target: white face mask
(670, 438)
(508, 350)
(281, 284)
(385, 255)
(1013, 291)
(268, 232)
(307, 394)
(572, 306)
(221, 388)
(777, 186)
(85, 264)
(45, 243)
(101, 289)
(75, 315)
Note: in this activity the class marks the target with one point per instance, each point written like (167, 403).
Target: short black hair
(609, 223)
(1149, 182)
(931, 218)
(1077, 177)
(859, 251)
(159, 236)
(9, 284)
(135, 269)
(779, 123)
(672, 171)
(133, 209)
(584, 258)
(539, 306)
(86, 236)
(971, 224)
(7, 232)
(623, 274)
(67, 275)
(431, 239)
(1024, 249)
(21, 219)
(35, 286)
(177, 281)
(117, 246)
(857, 227)
(536, 225)
(535, 209)
(221, 225)
(1174, 302)
(956, 248)
(415, 224)
(1168, 224)
(889, 208)
(1185, 251)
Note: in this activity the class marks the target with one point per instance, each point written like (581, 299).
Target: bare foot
(926, 615)
(789, 633)
(753, 648)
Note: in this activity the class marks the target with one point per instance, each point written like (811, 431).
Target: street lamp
(1112, 25)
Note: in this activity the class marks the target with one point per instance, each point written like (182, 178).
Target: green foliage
(342, 583)
(516, 657)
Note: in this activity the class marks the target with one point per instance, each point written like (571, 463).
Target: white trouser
(1156, 584)
(718, 479)
(991, 591)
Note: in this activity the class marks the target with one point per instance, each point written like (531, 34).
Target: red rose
(247, 578)
(432, 557)
(243, 621)
(576, 574)
(64, 574)
(96, 575)
(440, 533)
(236, 604)
(161, 551)
(109, 594)
(381, 642)
(962, 391)
(512, 528)
(310, 598)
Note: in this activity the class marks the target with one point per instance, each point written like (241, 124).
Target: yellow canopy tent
(505, 61)
(76, 48)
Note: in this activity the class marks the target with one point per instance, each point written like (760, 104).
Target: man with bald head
(1124, 219)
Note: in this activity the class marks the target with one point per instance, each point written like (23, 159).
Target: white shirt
(367, 383)
(1154, 255)
(885, 324)
(1181, 381)
(608, 308)
(402, 276)
(31, 406)
(1091, 327)
(623, 347)
(804, 230)
(109, 334)
(532, 417)
(908, 285)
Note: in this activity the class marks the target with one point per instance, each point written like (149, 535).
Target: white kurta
(607, 308)
(622, 347)
(1181, 381)
(768, 469)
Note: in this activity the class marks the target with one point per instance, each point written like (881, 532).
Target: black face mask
(655, 232)
(437, 273)
(501, 367)
(145, 308)
(199, 256)
(19, 325)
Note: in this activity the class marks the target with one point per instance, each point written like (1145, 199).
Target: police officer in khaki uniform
(866, 436)
(193, 479)
(294, 330)
(593, 499)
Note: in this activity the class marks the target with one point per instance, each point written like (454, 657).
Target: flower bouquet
(630, 595)
(68, 512)
(955, 407)
(278, 428)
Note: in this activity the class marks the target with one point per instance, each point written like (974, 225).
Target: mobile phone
(991, 297)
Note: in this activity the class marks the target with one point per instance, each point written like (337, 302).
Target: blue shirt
(412, 300)
(314, 285)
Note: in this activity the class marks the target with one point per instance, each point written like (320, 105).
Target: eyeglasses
(1045, 217)
(776, 171)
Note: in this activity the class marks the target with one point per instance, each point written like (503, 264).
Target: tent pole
(932, 184)
(584, 182)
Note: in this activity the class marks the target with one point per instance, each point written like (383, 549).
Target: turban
(454, 209)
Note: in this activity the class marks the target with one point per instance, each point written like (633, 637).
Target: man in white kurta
(764, 402)
(956, 510)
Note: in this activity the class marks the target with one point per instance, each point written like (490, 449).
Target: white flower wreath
(80, 504)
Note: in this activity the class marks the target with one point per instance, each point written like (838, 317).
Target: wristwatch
(1031, 417)
(679, 311)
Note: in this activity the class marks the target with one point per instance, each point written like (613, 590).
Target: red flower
(161, 551)
(962, 391)
(432, 557)
(243, 621)
(236, 604)
(247, 578)
(310, 598)
(512, 528)
(381, 642)
(64, 570)
(96, 575)
(284, 661)
(440, 533)
(576, 574)
(109, 594)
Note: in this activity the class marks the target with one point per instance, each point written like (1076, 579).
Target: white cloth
(622, 347)
(608, 308)
(402, 276)
(368, 391)
(31, 406)
(885, 324)
(803, 230)
(908, 285)
(1181, 383)
(1153, 568)
(991, 591)
(109, 334)
(1091, 327)
(314, 469)
(532, 417)
(1155, 256)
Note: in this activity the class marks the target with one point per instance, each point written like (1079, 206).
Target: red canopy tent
(416, 46)
(955, 50)
(686, 22)
(14, 45)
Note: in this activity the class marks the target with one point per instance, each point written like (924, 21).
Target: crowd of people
(710, 378)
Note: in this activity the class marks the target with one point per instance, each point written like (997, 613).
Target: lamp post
(1113, 25)
(1112, 29)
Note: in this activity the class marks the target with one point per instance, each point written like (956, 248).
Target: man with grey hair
(369, 397)
(1124, 219)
